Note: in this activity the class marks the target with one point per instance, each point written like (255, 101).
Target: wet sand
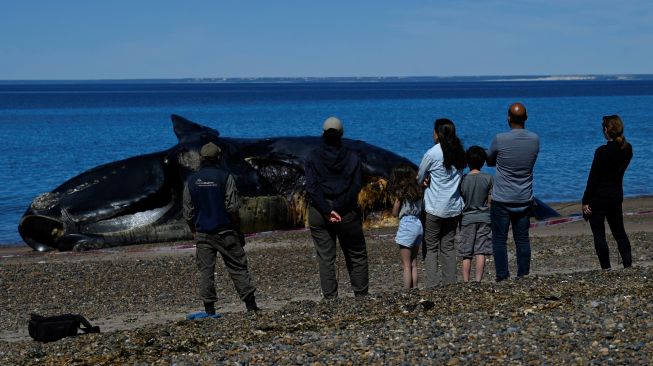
(567, 311)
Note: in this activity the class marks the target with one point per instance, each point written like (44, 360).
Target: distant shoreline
(348, 79)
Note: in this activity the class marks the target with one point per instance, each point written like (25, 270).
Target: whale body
(139, 199)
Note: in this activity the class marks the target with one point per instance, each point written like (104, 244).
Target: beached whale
(138, 200)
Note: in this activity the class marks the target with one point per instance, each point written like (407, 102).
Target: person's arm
(313, 189)
(396, 207)
(232, 202)
(424, 168)
(461, 187)
(592, 182)
(188, 209)
(232, 205)
(492, 153)
(489, 194)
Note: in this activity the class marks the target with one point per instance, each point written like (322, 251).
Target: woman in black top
(604, 192)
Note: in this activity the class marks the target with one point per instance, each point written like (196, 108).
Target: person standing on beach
(604, 192)
(210, 206)
(475, 239)
(333, 181)
(514, 154)
(408, 207)
(441, 170)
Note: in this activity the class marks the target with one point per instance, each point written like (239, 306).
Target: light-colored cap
(332, 123)
(210, 150)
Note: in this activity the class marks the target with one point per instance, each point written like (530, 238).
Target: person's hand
(334, 217)
(587, 210)
(427, 181)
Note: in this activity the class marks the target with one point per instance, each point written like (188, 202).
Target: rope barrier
(578, 217)
(557, 221)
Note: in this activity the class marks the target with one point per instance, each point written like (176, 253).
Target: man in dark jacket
(211, 205)
(333, 181)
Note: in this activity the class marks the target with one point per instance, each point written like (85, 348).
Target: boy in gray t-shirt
(475, 238)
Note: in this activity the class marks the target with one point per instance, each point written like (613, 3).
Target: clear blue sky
(136, 39)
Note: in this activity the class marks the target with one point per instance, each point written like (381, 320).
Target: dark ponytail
(621, 140)
(452, 148)
(614, 128)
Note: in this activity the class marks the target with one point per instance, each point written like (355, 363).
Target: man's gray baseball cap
(332, 123)
(210, 150)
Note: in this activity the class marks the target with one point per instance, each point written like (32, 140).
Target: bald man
(514, 154)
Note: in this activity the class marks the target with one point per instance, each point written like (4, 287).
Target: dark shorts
(475, 239)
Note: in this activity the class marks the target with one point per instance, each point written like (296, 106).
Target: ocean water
(52, 132)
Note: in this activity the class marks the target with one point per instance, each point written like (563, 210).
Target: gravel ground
(565, 313)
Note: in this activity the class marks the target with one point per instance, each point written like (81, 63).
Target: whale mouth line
(129, 221)
(41, 232)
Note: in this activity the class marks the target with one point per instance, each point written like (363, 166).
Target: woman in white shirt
(441, 171)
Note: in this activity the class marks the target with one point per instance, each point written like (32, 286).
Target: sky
(148, 39)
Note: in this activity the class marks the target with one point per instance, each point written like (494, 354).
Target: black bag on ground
(53, 328)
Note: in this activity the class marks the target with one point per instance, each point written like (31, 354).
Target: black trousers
(352, 242)
(614, 215)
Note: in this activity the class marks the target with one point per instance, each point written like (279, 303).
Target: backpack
(53, 328)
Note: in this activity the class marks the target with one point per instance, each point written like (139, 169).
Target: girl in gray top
(408, 207)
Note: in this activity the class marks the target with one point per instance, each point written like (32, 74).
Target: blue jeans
(503, 214)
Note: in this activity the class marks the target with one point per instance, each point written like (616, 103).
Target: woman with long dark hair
(604, 193)
(441, 170)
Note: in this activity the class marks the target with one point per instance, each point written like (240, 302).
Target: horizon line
(518, 77)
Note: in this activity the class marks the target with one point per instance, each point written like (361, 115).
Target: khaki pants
(440, 261)
(233, 255)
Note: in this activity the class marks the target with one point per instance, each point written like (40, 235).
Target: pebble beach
(567, 311)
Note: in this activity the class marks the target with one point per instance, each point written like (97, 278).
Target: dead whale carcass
(138, 200)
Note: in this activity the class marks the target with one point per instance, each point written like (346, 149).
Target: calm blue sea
(51, 132)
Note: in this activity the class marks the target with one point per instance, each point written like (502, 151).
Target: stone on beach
(566, 312)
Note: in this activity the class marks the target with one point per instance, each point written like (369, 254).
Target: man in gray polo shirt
(514, 154)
